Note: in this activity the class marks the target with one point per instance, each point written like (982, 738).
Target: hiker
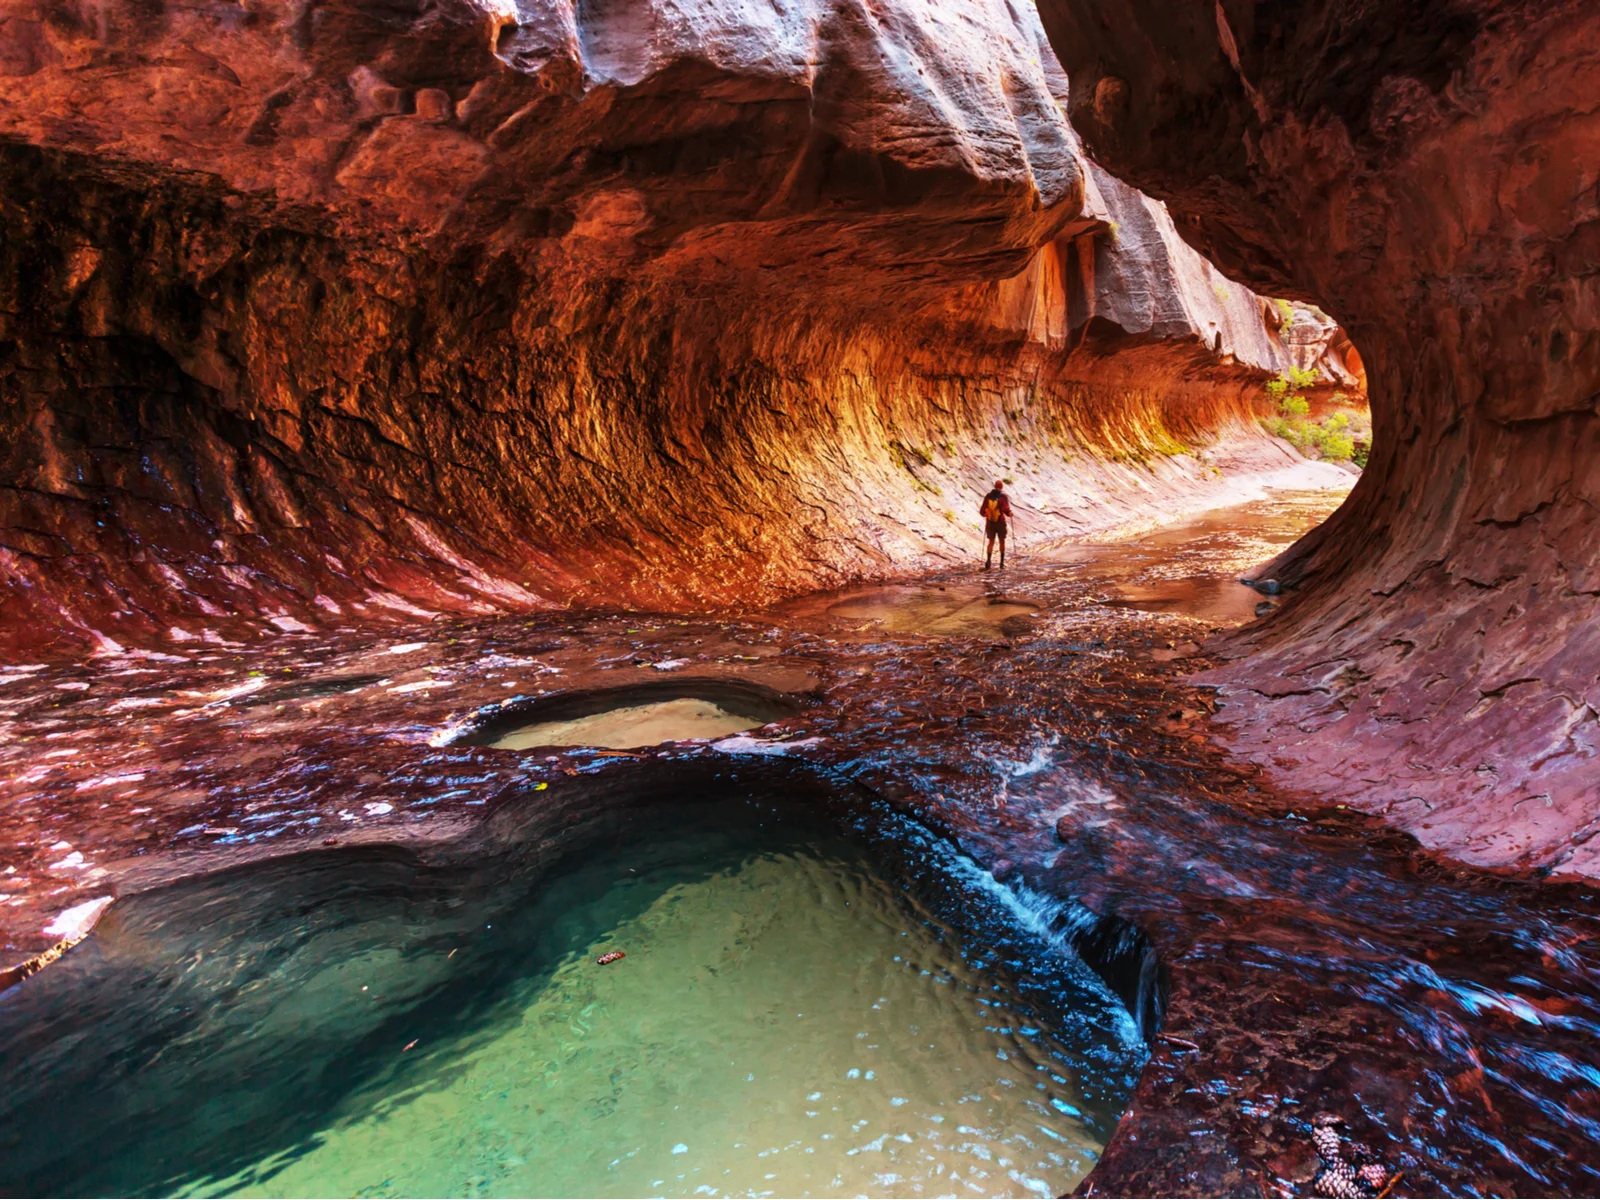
(995, 511)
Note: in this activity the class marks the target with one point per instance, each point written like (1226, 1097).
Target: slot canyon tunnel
(359, 361)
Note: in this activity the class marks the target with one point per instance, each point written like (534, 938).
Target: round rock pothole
(629, 718)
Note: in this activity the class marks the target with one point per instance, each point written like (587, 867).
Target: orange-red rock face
(1431, 174)
(312, 318)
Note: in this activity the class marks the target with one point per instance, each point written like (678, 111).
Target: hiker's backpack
(991, 508)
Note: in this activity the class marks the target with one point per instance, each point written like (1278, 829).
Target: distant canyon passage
(328, 315)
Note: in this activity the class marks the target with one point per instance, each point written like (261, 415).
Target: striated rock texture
(1430, 174)
(318, 314)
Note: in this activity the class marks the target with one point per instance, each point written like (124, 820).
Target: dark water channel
(1284, 958)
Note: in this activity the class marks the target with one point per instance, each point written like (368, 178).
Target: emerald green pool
(798, 1013)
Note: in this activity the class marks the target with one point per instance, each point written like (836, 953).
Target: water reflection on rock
(1317, 959)
(947, 610)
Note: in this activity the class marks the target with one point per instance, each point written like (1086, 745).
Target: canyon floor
(1282, 957)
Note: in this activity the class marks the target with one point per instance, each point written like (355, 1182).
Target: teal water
(798, 1013)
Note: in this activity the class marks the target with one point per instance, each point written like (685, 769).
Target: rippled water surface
(793, 1017)
(954, 609)
(1193, 568)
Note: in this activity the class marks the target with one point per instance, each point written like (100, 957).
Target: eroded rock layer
(1430, 173)
(312, 316)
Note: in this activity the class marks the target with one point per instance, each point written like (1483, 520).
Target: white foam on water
(73, 924)
(743, 744)
(1052, 921)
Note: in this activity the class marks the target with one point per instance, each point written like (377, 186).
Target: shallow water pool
(798, 1013)
(684, 719)
(939, 610)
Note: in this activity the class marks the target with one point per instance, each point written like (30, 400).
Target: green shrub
(1335, 447)
(1330, 439)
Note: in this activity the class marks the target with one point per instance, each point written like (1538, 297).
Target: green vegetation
(902, 453)
(1162, 442)
(1286, 311)
(1333, 438)
(1151, 442)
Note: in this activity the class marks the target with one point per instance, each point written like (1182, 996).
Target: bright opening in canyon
(807, 597)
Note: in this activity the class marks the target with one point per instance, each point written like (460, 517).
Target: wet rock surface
(1296, 957)
(1427, 173)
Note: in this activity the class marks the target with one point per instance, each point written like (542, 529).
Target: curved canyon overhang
(1430, 172)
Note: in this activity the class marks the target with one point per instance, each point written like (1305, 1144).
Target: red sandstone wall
(312, 318)
(1430, 174)
(222, 422)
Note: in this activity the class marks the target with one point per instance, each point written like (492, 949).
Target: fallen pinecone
(1350, 1170)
